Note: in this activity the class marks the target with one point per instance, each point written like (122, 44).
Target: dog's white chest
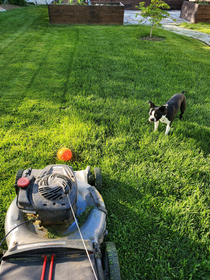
(164, 120)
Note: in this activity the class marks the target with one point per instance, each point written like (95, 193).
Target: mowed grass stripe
(19, 26)
(36, 62)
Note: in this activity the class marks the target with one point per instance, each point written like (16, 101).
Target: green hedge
(15, 2)
(18, 2)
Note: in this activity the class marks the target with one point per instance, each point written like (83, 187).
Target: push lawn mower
(55, 227)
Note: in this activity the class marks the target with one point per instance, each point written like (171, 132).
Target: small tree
(155, 12)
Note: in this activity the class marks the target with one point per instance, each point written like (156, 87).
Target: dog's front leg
(156, 125)
(167, 129)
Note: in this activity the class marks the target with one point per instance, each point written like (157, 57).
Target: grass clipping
(56, 231)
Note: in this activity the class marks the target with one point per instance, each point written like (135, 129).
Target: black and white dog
(168, 111)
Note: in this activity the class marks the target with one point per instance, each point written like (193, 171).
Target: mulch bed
(8, 7)
(152, 38)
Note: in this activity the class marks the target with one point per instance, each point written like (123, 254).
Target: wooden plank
(203, 9)
(69, 14)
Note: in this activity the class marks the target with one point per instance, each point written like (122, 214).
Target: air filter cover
(50, 193)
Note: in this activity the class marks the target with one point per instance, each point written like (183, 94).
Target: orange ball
(64, 154)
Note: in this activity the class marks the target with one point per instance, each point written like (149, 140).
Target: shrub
(17, 2)
(154, 12)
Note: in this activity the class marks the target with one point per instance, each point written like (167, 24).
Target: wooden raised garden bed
(110, 13)
(195, 12)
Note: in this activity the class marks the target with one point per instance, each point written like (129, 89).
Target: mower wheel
(1, 254)
(90, 178)
(18, 176)
(110, 262)
(98, 178)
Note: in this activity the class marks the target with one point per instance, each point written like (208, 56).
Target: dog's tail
(184, 91)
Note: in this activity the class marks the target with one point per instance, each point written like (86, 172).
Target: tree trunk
(150, 35)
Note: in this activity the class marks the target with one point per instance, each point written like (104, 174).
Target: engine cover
(49, 194)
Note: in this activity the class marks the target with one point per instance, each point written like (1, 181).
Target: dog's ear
(163, 109)
(152, 105)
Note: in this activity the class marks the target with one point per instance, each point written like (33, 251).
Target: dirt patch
(8, 7)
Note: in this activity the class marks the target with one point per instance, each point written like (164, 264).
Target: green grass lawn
(86, 88)
(202, 27)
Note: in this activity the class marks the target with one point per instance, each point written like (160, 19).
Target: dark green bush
(17, 2)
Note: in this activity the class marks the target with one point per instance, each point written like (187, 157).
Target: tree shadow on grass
(148, 242)
(199, 134)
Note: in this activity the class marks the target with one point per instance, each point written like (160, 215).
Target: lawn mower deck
(55, 227)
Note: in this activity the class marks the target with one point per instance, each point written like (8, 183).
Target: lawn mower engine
(60, 216)
(51, 193)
